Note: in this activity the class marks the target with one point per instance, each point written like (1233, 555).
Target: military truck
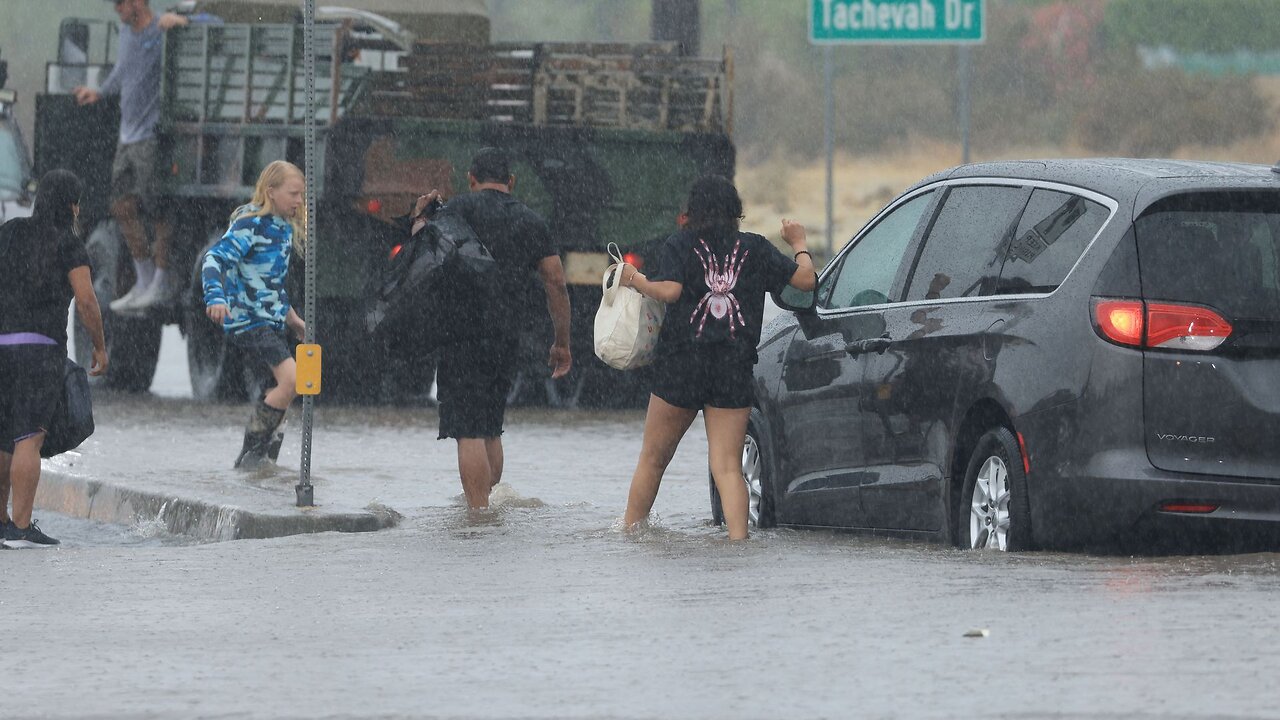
(606, 138)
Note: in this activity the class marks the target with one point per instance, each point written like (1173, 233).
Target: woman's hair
(273, 176)
(56, 194)
(714, 207)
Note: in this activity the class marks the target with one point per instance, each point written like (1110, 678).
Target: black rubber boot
(258, 435)
(277, 439)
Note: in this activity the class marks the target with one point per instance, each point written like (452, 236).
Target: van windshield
(1218, 249)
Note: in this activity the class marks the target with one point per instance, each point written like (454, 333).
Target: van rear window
(1054, 232)
(1217, 249)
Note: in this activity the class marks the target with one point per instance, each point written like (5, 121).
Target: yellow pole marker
(308, 382)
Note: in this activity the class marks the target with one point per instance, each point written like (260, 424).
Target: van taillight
(1185, 327)
(1120, 321)
(1160, 325)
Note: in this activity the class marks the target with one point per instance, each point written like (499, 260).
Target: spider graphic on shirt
(722, 278)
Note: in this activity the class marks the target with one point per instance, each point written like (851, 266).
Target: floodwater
(542, 608)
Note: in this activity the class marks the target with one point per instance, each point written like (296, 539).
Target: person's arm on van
(552, 272)
(90, 316)
(667, 291)
(805, 277)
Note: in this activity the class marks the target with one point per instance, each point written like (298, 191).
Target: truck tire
(213, 364)
(133, 343)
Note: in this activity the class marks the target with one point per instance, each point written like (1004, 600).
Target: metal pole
(306, 495)
(966, 86)
(828, 139)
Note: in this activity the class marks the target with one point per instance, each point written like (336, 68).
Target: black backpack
(437, 286)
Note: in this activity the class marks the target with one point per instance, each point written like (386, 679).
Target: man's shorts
(31, 386)
(263, 348)
(134, 172)
(707, 375)
(473, 380)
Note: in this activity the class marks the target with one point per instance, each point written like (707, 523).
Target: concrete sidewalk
(216, 514)
(168, 460)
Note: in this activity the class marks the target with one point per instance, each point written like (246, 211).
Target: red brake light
(374, 206)
(633, 260)
(1160, 325)
(1120, 321)
(1185, 327)
(396, 251)
(1190, 508)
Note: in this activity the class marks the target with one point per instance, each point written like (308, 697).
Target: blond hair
(273, 176)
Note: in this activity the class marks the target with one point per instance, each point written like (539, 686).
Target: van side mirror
(797, 301)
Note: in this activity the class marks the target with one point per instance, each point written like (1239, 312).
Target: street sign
(851, 22)
(897, 21)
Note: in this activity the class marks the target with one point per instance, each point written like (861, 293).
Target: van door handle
(876, 345)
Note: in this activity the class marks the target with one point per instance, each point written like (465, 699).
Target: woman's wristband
(803, 252)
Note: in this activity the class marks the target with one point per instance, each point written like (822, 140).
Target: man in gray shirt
(134, 174)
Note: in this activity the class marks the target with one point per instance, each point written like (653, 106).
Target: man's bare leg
(127, 216)
(475, 471)
(164, 237)
(25, 476)
(493, 448)
(159, 291)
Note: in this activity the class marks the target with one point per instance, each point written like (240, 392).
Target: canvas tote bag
(627, 323)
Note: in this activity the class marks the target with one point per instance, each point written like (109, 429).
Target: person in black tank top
(714, 279)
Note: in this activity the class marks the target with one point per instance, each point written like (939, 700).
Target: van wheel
(133, 343)
(994, 512)
(756, 473)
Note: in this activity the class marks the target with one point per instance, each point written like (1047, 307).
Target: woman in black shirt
(43, 264)
(714, 279)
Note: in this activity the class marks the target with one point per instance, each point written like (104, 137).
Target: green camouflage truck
(606, 137)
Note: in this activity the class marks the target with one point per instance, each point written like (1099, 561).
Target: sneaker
(18, 539)
(126, 303)
(157, 294)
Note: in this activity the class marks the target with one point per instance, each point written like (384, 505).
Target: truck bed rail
(630, 86)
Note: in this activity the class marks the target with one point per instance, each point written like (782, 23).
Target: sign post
(853, 22)
(304, 489)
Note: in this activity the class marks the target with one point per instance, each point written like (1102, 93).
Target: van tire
(995, 464)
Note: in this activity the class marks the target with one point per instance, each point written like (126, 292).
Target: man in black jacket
(476, 371)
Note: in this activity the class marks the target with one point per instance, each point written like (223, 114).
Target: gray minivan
(1035, 354)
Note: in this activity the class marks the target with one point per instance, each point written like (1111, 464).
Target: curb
(105, 502)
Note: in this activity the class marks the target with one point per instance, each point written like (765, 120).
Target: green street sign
(897, 21)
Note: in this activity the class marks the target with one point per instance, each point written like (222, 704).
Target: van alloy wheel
(989, 507)
(751, 473)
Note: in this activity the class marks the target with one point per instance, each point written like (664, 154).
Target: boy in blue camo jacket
(244, 292)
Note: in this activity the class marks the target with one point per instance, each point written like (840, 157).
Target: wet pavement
(541, 608)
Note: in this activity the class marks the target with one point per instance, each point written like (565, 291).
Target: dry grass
(863, 185)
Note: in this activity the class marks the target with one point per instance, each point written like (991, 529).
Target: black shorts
(473, 381)
(263, 348)
(31, 386)
(702, 376)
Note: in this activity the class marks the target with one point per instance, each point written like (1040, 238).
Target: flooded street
(542, 608)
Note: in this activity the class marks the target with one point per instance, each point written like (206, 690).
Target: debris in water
(978, 633)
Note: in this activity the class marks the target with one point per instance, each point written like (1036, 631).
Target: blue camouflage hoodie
(246, 270)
